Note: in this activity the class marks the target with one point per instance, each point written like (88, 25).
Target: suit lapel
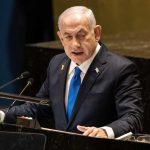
(62, 84)
(95, 70)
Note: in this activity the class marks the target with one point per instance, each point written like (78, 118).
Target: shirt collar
(85, 65)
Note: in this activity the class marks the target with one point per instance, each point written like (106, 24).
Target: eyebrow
(66, 33)
(81, 30)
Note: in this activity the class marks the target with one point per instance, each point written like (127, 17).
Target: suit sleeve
(26, 109)
(128, 102)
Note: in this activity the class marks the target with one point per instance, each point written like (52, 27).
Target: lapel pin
(62, 67)
(97, 70)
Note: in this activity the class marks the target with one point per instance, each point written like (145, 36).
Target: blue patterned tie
(73, 91)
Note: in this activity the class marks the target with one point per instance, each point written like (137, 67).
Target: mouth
(77, 53)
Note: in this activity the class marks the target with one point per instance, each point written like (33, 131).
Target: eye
(81, 35)
(68, 37)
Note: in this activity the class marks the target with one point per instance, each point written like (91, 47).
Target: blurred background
(125, 24)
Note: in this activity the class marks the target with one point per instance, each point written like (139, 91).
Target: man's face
(78, 37)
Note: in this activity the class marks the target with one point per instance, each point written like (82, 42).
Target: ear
(60, 36)
(97, 32)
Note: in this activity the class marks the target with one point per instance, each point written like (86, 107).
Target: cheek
(66, 47)
(67, 51)
(89, 48)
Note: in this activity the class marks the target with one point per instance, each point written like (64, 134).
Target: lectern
(56, 139)
(22, 141)
(59, 140)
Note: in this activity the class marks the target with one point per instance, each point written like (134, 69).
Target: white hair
(78, 10)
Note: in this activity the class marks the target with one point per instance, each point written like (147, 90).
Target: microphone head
(30, 81)
(24, 75)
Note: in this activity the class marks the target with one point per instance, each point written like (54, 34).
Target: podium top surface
(130, 45)
(49, 45)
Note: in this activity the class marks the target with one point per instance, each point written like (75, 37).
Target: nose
(75, 42)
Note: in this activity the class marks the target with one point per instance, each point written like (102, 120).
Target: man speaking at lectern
(92, 91)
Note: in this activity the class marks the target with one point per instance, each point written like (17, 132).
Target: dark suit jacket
(110, 96)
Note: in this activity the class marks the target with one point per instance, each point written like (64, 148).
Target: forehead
(75, 22)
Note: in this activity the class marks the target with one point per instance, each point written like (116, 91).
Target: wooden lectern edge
(124, 137)
(72, 133)
(60, 131)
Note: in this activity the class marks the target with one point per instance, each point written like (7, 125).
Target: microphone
(29, 82)
(25, 121)
(22, 76)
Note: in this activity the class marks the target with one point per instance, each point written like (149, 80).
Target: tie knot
(77, 71)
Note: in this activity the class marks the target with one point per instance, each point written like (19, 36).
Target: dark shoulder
(59, 58)
(117, 62)
(118, 59)
(121, 65)
(57, 61)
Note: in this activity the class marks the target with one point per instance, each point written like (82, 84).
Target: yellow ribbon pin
(62, 67)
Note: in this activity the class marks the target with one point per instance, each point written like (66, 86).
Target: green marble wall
(125, 23)
(115, 16)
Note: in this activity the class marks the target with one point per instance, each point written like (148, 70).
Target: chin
(77, 60)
